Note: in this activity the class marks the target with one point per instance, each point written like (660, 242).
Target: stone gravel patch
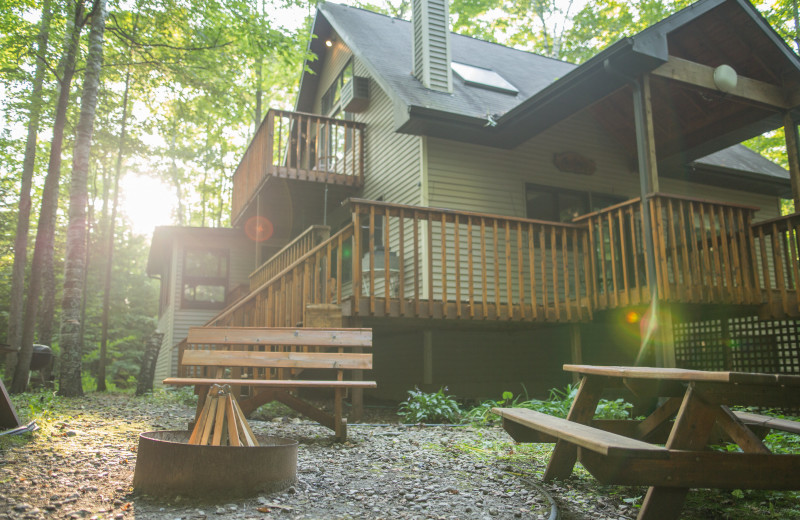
(80, 465)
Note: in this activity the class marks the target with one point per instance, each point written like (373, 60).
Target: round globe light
(725, 78)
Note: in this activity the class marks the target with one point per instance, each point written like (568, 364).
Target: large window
(560, 205)
(205, 278)
(331, 100)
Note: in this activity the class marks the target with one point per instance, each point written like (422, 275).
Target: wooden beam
(652, 161)
(793, 154)
(750, 89)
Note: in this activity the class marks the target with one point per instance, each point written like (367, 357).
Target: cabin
(493, 214)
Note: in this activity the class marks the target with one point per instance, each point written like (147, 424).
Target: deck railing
(281, 301)
(299, 146)
(289, 254)
(426, 262)
(406, 261)
(777, 253)
(703, 252)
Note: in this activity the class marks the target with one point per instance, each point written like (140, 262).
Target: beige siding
(392, 162)
(475, 178)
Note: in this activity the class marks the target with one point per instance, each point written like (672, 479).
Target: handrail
(702, 250)
(777, 252)
(457, 264)
(288, 253)
(455, 212)
(342, 233)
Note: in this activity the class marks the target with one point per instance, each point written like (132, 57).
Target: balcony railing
(406, 261)
(426, 262)
(299, 146)
(777, 253)
(703, 252)
(289, 255)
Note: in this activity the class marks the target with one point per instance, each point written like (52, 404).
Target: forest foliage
(182, 88)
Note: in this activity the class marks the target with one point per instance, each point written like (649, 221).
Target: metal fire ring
(166, 465)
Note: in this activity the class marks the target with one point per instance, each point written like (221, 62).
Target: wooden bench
(588, 437)
(263, 365)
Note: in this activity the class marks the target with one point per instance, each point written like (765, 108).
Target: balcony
(303, 147)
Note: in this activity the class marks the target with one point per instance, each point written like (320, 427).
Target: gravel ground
(80, 464)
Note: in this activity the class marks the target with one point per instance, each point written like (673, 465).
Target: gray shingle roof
(384, 44)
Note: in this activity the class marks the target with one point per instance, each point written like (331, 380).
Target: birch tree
(71, 340)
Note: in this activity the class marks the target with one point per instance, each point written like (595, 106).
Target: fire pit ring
(166, 465)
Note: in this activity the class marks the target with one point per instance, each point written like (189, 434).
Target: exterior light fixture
(725, 78)
(328, 43)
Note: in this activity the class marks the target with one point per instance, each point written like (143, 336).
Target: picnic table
(693, 414)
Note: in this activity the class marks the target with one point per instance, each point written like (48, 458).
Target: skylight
(483, 78)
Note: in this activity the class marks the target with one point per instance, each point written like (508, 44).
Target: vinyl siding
(392, 165)
(482, 179)
(392, 160)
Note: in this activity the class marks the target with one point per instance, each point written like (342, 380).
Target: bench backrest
(255, 359)
(293, 348)
(280, 336)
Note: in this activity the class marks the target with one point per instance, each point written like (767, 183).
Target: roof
(390, 65)
(551, 90)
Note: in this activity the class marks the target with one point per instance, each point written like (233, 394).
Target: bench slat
(588, 437)
(274, 383)
(769, 422)
(280, 336)
(239, 358)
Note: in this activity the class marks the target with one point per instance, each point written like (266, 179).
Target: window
(331, 100)
(205, 278)
(483, 78)
(560, 205)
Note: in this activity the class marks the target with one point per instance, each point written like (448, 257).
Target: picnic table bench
(694, 406)
(266, 362)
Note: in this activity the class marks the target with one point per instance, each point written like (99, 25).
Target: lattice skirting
(742, 344)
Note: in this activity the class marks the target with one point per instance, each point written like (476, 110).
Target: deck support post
(793, 154)
(665, 338)
(648, 173)
(427, 357)
(576, 350)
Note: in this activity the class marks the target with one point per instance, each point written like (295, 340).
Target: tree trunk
(101, 369)
(147, 371)
(17, 296)
(45, 231)
(70, 341)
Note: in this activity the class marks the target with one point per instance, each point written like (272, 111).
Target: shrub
(421, 407)
(557, 404)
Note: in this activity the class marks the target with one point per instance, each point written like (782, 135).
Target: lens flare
(632, 317)
(258, 229)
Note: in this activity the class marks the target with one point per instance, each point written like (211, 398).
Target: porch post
(648, 184)
(648, 173)
(793, 154)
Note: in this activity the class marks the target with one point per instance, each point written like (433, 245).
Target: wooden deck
(414, 262)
